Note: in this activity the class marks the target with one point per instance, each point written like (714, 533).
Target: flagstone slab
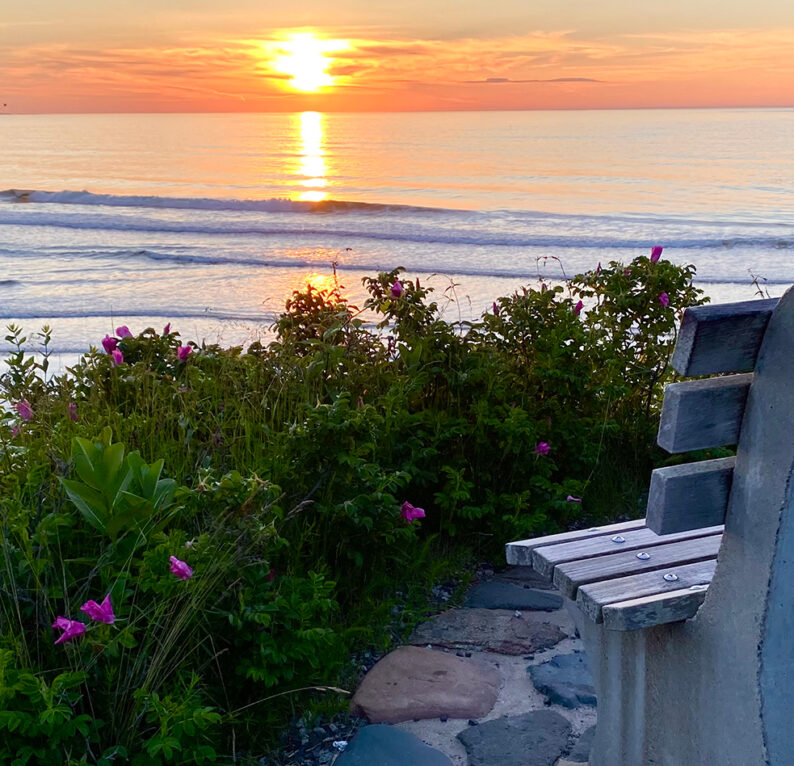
(382, 745)
(523, 576)
(416, 683)
(581, 750)
(532, 739)
(507, 595)
(490, 630)
(565, 680)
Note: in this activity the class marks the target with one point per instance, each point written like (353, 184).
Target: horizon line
(415, 111)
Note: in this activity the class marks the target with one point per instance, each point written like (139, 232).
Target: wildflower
(664, 299)
(123, 331)
(495, 309)
(24, 409)
(542, 448)
(627, 272)
(397, 289)
(271, 575)
(656, 253)
(183, 352)
(409, 512)
(15, 431)
(167, 329)
(118, 357)
(73, 411)
(598, 268)
(180, 569)
(100, 612)
(71, 629)
(109, 343)
(578, 308)
(572, 499)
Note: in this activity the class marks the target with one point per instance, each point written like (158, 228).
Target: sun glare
(305, 59)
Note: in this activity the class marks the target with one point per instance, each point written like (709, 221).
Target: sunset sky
(202, 55)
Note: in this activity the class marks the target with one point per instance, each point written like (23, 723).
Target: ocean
(210, 221)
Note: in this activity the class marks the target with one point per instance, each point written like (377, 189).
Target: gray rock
(490, 630)
(533, 739)
(412, 683)
(382, 745)
(506, 595)
(523, 576)
(581, 750)
(565, 680)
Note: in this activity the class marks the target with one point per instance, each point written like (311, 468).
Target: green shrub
(287, 466)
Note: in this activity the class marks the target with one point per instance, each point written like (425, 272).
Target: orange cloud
(552, 69)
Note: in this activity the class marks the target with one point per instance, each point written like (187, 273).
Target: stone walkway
(501, 681)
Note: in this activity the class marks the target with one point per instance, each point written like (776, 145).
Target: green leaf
(89, 502)
(85, 455)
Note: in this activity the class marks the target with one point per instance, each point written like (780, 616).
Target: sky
(406, 55)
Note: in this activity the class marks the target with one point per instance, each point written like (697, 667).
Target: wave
(406, 232)
(157, 313)
(273, 205)
(550, 271)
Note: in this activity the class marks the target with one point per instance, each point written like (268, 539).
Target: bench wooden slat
(593, 597)
(519, 553)
(545, 558)
(570, 576)
(689, 496)
(700, 414)
(647, 611)
(723, 338)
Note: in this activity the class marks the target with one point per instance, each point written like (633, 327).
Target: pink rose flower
(123, 331)
(167, 329)
(397, 289)
(572, 499)
(183, 352)
(24, 410)
(495, 309)
(100, 612)
(542, 448)
(664, 299)
(109, 343)
(577, 309)
(409, 512)
(71, 629)
(656, 253)
(118, 357)
(180, 568)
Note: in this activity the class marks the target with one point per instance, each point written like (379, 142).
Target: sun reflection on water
(312, 159)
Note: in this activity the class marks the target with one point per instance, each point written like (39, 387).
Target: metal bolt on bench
(688, 615)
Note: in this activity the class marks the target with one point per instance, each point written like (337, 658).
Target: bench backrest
(702, 414)
(750, 603)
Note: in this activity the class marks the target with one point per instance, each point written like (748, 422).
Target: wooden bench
(688, 615)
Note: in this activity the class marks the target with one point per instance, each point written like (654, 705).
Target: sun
(305, 59)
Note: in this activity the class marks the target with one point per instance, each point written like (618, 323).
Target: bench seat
(625, 574)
